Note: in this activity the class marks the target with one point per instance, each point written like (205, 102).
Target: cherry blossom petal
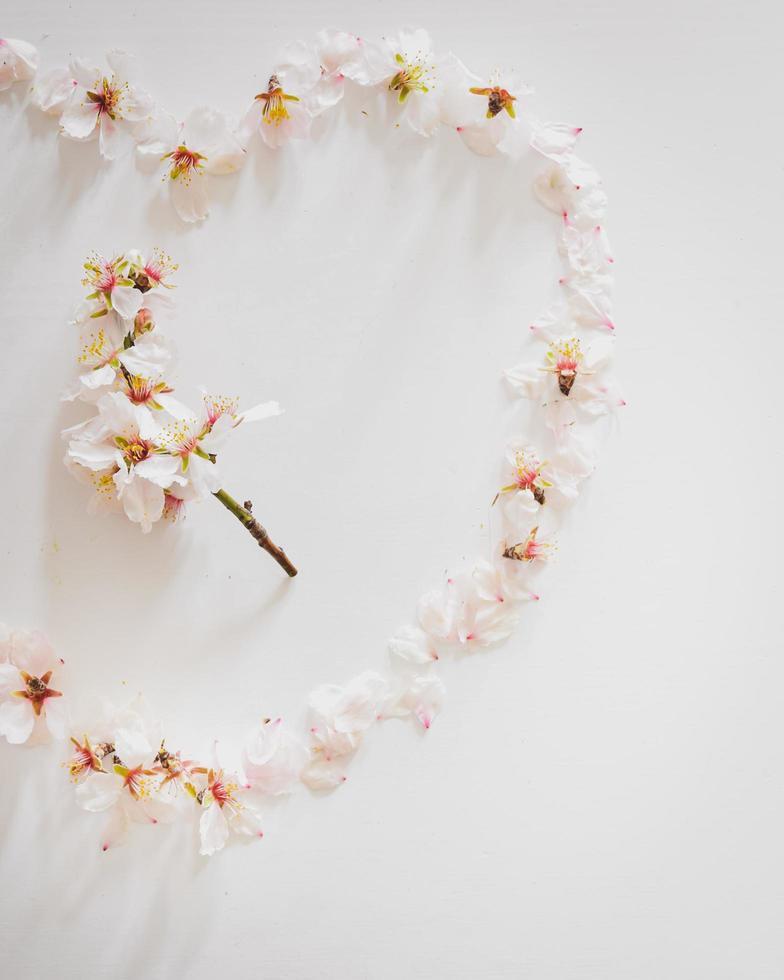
(127, 301)
(213, 830)
(99, 791)
(17, 720)
(79, 118)
(52, 91)
(190, 198)
(413, 645)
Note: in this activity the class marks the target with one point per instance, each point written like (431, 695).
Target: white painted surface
(602, 797)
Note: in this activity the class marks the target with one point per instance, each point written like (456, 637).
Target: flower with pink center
(86, 758)
(111, 287)
(123, 437)
(127, 786)
(28, 698)
(105, 358)
(573, 382)
(225, 811)
(203, 146)
(107, 104)
(18, 61)
(530, 550)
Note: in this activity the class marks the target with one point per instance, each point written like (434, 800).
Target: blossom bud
(143, 322)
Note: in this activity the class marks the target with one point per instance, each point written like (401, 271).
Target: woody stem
(244, 516)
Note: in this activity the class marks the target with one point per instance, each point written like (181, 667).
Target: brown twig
(246, 518)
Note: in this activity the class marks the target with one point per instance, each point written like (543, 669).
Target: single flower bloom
(204, 145)
(572, 380)
(152, 271)
(111, 287)
(407, 67)
(224, 811)
(528, 474)
(486, 112)
(109, 104)
(18, 61)
(299, 88)
(27, 691)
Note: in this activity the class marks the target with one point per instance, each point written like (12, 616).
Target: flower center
(134, 450)
(185, 163)
(528, 550)
(412, 76)
(566, 357)
(107, 98)
(35, 686)
(274, 110)
(498, 99)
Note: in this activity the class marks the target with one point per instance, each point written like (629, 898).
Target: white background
(602, 797)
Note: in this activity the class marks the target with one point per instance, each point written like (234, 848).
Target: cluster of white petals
(142, 451)
(425, 88)
(145, 453)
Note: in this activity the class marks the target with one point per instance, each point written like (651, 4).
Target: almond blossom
(225, 810)
(112, 288)
(125, 441)
(28, 697)
(306, 80)
(18, 61)
(407, 67)
(572, 379)
(203, 145)
(124, 781)
(109, 105)
(487, 113)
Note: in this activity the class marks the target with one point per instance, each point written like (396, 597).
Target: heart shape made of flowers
(122, 764)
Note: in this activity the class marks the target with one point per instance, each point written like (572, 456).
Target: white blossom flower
(407, 66)
(571, 378)
(112, 288)
(202, 146)
(18, 61)
(109, 104)
(341, 716)
(225, 810)
(305, 81)
(52, 90)
(106, 362)
(126, 784)
(27, 665)
(125, 440)
(273, 758)
(487, 113)
(196, 440)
